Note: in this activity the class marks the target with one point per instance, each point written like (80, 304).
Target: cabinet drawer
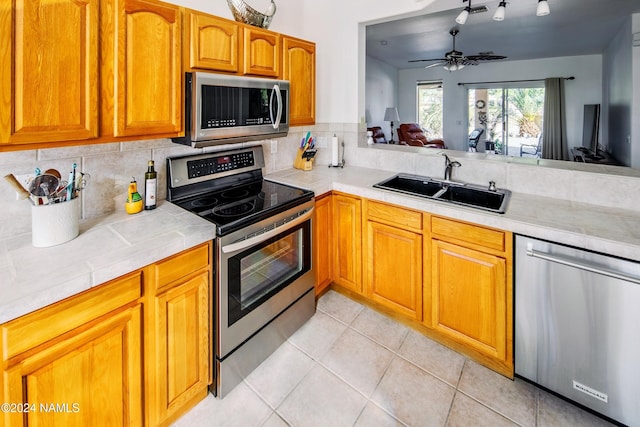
(492, 239)
(182, 264)
(36, 328)
(394, 215)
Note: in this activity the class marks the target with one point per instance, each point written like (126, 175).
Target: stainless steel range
(264, 277)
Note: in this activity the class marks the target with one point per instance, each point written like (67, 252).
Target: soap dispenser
(134, 202)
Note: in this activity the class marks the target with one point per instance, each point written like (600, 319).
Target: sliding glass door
(511, 118)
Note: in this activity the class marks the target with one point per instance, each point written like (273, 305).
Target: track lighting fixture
(499, 15)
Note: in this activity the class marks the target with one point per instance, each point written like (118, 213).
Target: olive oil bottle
(150, 187)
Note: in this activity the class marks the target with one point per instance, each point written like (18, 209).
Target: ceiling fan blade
(485, 57)
(426, 60)
(436, 64)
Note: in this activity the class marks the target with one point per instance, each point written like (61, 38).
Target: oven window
(262, 271)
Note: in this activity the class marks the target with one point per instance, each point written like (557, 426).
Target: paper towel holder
(340, 163)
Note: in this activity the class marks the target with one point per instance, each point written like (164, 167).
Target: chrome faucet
(448, 166)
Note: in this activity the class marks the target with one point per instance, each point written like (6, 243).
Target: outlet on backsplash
(321, 142)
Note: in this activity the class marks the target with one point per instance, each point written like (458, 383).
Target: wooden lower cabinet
(450, 279)
(470, 290)
(469, 297)
(322, 242)
(393, 260)
(177, 334)
(347, 241)
(134, 351)
(77, 362)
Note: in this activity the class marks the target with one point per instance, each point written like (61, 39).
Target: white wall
(585, 89)
(380, 93)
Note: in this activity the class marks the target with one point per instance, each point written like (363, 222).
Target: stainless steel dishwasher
(577, 315)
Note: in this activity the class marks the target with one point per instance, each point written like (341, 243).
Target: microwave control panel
(218, 164)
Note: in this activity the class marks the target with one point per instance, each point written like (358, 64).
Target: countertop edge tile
(108, 254)
(578, 224)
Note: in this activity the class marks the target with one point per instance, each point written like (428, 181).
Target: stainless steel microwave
(221, 109)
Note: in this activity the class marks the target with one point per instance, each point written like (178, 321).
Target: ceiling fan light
(543, 8)
(499, 15)
(454, 66)
(462, 17)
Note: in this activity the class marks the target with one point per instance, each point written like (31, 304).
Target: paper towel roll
(335, 155)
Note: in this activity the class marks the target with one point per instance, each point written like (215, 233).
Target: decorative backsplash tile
(112, 165)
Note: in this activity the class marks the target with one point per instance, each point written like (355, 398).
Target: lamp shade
(499, 15)
(543, 8)
(462, 17)
(454, 66)
(391, 115)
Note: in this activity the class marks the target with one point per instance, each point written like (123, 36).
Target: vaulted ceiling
(574, 27)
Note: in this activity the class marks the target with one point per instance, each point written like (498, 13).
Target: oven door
(263, 269)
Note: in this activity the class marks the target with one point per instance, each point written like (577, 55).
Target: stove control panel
(217, 164)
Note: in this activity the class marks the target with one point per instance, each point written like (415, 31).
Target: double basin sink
(486, 198)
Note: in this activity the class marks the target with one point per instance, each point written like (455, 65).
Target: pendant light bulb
(499, 15)
(462, 17)
(543, 8)
(454, 66)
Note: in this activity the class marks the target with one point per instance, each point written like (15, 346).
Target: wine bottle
(150, 187)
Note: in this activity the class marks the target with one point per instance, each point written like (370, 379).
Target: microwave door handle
(276, 91)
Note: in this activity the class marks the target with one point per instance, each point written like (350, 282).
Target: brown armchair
(412, 134)
(378, 135)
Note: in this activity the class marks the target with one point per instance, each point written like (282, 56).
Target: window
(510, 116)
(430, 108)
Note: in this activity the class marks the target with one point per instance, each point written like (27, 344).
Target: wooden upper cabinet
(148, 69)
(214, 43)
(261, 52)
(49, 71)
(299, 67)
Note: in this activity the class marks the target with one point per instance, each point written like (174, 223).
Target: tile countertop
(107, 247)
(601, 229)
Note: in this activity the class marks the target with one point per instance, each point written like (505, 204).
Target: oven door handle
(252, 241)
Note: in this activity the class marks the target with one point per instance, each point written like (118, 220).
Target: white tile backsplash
(112, 165)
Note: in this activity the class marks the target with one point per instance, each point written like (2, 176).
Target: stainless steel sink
(475, 196)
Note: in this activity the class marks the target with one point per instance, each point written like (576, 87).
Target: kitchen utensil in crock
(50, 182)
(13, 181)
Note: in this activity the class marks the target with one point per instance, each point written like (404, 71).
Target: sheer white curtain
(554, 134)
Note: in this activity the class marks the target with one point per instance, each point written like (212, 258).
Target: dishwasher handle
(575, 263)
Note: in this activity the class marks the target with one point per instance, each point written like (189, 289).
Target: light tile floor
(351, 366)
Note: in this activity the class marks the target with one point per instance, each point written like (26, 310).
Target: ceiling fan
(455, 60)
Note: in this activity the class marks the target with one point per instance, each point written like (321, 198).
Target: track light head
(500, 11)
(543, 8)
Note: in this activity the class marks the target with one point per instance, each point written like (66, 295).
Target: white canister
(55, 223)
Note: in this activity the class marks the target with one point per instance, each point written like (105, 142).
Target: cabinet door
(299, 67)
(91, 376)
(49, 70)
(322, 242)
(261, 52)
(394, 268)
(181, 356)
(214, 43)
(469, 297)
(148, 72)
(347, 261)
